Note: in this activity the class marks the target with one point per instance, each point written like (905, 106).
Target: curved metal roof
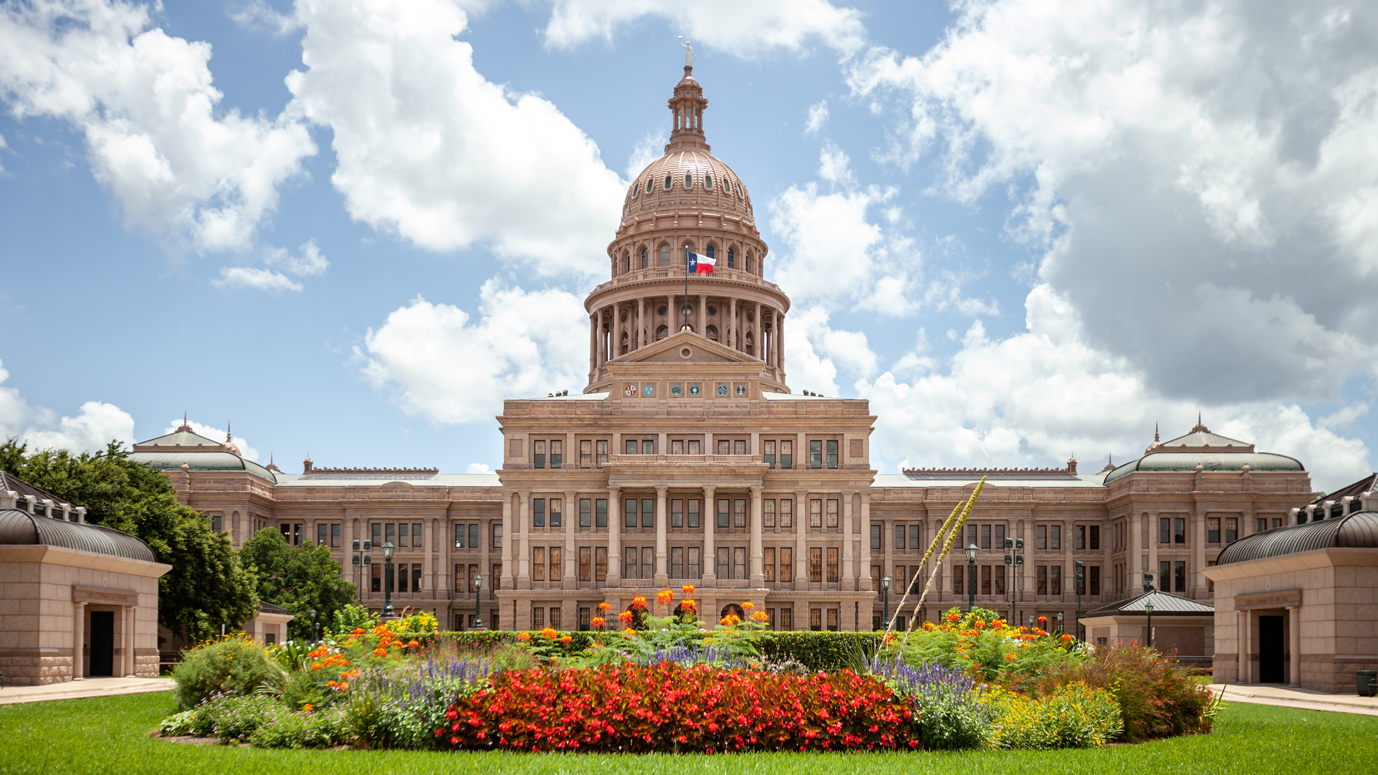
(201, 461)
(1160, 462)
(1352, 531)
(18, 528)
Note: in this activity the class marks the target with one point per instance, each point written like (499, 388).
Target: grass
(110, 735)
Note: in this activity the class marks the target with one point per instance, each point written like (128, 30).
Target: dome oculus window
(669, 181)
(712, 310)
(661, 310)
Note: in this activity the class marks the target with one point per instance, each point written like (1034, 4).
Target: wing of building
(688, 459)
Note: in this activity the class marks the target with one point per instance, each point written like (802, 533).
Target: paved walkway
(1305, 699)
(91, 687)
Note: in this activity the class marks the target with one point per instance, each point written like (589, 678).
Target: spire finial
(186, 426)
(1155, 432)
(228, 436)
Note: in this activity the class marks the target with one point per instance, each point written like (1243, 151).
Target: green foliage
(350, 617)
(1155, 698)
(827, 651)
(233, 664)
(183, 723)
(206, 588)
(298, 578)
(314, 729)
(1073, 716)
(234, 717)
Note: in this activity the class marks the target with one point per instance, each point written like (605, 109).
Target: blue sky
(1023, 231)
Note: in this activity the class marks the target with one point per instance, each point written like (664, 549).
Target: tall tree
(298, 578)
(206, 588)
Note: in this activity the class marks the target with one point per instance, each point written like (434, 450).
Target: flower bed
(666, 683)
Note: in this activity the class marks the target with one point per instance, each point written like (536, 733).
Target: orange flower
(309, 707)
(549, 633)
(748, 605)
(380, 652)
(978, 624)
(625, 617)
(523, 637)
(629, 633)
(639, 603)
(566, 640)
(1066, 638)
(1010, 657)
(597, 623)
(688, 589)
(1042, 620)
(730, 620)
(954, 618)
(358, 631)
(689, 606)
(760, 616)
(665, 597)
(604, 607)
(411, 644)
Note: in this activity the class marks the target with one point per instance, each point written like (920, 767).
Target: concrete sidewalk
(91, 687)
(1304, 699)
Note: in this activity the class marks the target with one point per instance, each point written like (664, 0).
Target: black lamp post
(478, 584)
(362, 561)
(388, 549)
(885, 595)
(971, 576)
(1148, 609)
(1059, 623)
(1080, 581)
(1014, 560)
(313, 625)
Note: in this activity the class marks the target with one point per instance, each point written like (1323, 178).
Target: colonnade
(750, 327)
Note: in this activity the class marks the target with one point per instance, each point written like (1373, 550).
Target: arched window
(649, 184)
(748, 262)
(688, 181)
(732, 609)
(750, 340)
(626, 261)
(668, 181)
(712, 251)
(712, 332)
(662, 332)
(664, 255)
(645, 258)
(727, 186)
(731, 258)
(708, 182)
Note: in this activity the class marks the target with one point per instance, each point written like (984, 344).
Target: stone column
(732, 323)
(758, 577)
(1153, 535)
(127, 639)
(614, 538)
(78, 641)
(760, 331)
(1246, 663)
(593, 341)
(427, 562)
(641, 322)
(1133, 575)
(848, 567)
(1198, 551)
(662, 576)
(1294, 636)
(702, 321)
(780, 361)
(864, 577)
(571, 514)
(523, 520)
(801, 543)
(709, 515)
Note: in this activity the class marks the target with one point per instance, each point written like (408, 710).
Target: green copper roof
(1352, 531)
(181, 438)
(201, 461)
(24, 529)
(1186, 461)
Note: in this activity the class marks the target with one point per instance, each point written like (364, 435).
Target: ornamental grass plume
(947, 546)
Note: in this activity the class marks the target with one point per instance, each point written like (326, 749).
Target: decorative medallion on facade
(629, 390)
(722, 390)
(648, 390)
(676, 390)
(741, 390)
(693, 390)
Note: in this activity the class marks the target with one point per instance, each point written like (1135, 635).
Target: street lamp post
(885, 595)
(1014, 560)
(478, 618)
(1060, 628)
(361, 561)
(1079, 578)
(1148, 609)
(313, 625)
(971, 576)
(388, 549)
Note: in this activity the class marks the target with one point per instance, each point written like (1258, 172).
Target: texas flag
(701, 264)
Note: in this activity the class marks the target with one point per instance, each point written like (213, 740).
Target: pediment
(701, 350)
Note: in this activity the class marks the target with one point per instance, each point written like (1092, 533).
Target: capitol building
(689, 459)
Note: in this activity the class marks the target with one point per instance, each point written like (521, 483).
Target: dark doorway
(102, 643)
(1270, 662)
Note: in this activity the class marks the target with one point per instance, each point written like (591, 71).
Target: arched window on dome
(748, 262)
(688, 181)
(727, 186)
(669, 181)
(662, 332)
(708, 182)
(664, 255)
(626, 261)
(712, 251)
(645, 258)
(712, 332)
(731, 258)
(649, 185)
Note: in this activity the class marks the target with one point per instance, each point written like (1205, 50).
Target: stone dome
(689, 176)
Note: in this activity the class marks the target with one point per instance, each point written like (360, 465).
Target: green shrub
(178, 724)
(234, 717)
(349, 618)
(231, 665)
(283, 731)
(1156, 698)
(1073, 716)
(826, 651)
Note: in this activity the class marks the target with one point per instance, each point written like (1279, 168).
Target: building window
(724, 515)
(816, 619)
(768, 514)
(586, 454)
(677, 447)
(787, 454)
(1179, 575)
(557, 564)
(693, 513)
(739, 562)
(876, 534)
(645, 254)
(665, 251)
(1041, 537)
(786, 514)
(1055, 537)
(601, 512)
(600, 563)
(1231, 529)
(787, 564)
(695, 555)
(629, 564)
(1093, 579)
(768, 454)
(768, 562)
(815, 454)
(218, 524)
(832, 455)
(1055, 580)
(1260, 524)
(1213, 530)
(585, 512)
(538, 454)
(1179, 531)
(724, 447)
(739, 447)
(602, 457)
(537, 617)
(538, 563)
(695, 447)
(402, 576)
(1042, 579)
(999, 580)
(1095, 538)
(676, 513)
(585, 618)
(816, 513)
(557, 449)
(1164, 530)
(676, 562)
(497, 536)
(1081, 537)
(1165, 575)
(724, 562)
(916, 536)
(985, 536)
(538, 512)
(335, 535)
(833, 574)
(739, 513)
(630, 446)
(958, 572)
(832, 514)
(832, 620)
(816, 564)
(731, 258)
(585, 563)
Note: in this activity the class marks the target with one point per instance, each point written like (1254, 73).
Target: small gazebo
(1182, 627)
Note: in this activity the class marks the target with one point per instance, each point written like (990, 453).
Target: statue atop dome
(688, 52)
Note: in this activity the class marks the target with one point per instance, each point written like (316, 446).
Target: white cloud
(834, 166)
(818, 118)
(846, 348)
(450, 368)
(145, 103)
(257, 15)
(745, 30)
(3, 147)
(256, 278)
(96, 424)
(215, 434)
(1037, 397)
(308, 263)
(1201, 174)
(429, 149)
(650, 148)
(479, 468)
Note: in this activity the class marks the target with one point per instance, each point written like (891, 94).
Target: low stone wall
(31, 669)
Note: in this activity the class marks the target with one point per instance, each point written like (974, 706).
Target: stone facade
(688, 459)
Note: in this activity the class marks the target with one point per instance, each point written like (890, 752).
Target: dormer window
(649, 184)
(688, 181)
(668, 182)
(727, 186)
(708, 182)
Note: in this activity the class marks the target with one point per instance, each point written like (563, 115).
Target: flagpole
(686, 287)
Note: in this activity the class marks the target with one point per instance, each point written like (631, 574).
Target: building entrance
(102, 643)
(1270, 656)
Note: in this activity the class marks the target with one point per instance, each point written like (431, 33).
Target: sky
(1023, 230)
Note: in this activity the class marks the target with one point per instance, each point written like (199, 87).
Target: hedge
(826, 651)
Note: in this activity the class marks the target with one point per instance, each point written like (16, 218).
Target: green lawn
(109, 735)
